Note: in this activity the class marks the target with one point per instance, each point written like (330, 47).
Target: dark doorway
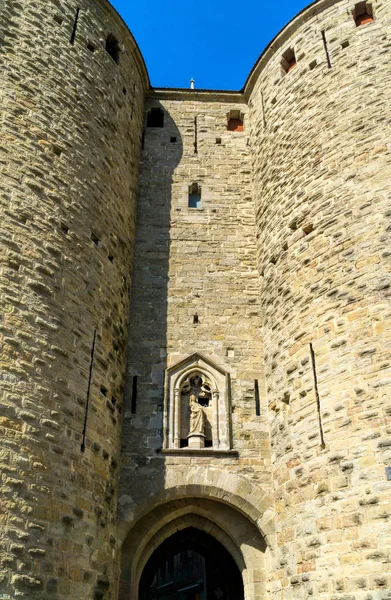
(191, 565)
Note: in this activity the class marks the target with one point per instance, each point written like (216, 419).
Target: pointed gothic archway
(191, 565)
(228, 527)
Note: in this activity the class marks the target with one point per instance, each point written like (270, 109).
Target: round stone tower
(72, 92)
(319, 97)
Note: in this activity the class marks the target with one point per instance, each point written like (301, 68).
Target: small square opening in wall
(363, 13)
(155, 117)
(95, 239)
(173, 139)
(235, 120)
(288, 61)
(218, 141)
(194, 196)
(113, 47)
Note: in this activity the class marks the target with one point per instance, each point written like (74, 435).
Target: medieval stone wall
(194, 261)
(320, 142)
(288, 302)
(71, 122)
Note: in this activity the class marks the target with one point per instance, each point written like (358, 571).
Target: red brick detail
(364, 19)
(291, 65)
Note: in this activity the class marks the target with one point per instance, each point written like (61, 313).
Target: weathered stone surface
(280, 279)
(321, 164)
(67, 175)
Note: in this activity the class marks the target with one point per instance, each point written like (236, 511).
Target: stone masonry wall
(69, 183)
(320, 142)
(294, 295)
(193, 261)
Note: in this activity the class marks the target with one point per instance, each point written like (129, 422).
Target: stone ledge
(197, 452)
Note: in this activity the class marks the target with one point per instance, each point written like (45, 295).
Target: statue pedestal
(196, 440)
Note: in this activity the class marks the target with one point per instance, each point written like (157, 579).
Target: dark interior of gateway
(191, 565)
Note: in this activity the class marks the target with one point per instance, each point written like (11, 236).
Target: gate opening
(191, 565)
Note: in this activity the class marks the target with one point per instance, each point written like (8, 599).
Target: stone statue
(199, 388)
(196, 383)
(197, 417)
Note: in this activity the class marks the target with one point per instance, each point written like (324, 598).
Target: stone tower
(253, 419)
(72, 80)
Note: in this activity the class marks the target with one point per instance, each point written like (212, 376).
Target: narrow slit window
(257, 400)
(113, 47)
(363, 13)
(194, 196)
(133, 97)
(326, 48)
(84, 434)
(155, 118)
(235, 121)
(195, 135)
(134, 396)
(288, 61)
(74, 29)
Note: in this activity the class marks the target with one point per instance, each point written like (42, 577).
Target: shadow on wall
(227, 525)
(143, 471)
(161, 494)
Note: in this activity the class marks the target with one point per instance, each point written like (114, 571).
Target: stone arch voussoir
(211, 483)
(230, 527)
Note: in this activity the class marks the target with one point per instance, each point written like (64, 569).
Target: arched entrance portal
(235, 521)
(191, 565)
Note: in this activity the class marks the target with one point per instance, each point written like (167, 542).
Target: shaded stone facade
(239, 244)
(69, 182)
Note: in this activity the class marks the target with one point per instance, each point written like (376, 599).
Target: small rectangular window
(194, 196)
(155, 118)
(113, 47)
(288, 61)
(363, 13)
(235, 120)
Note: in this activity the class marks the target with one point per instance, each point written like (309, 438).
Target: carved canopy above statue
(197, 405)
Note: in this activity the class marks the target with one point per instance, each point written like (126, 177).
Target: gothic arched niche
(196, 406)
(191, 565)
(196, 421)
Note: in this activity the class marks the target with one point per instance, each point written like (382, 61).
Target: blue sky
(217, 41)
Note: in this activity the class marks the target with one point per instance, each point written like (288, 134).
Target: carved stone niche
(197, 408)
